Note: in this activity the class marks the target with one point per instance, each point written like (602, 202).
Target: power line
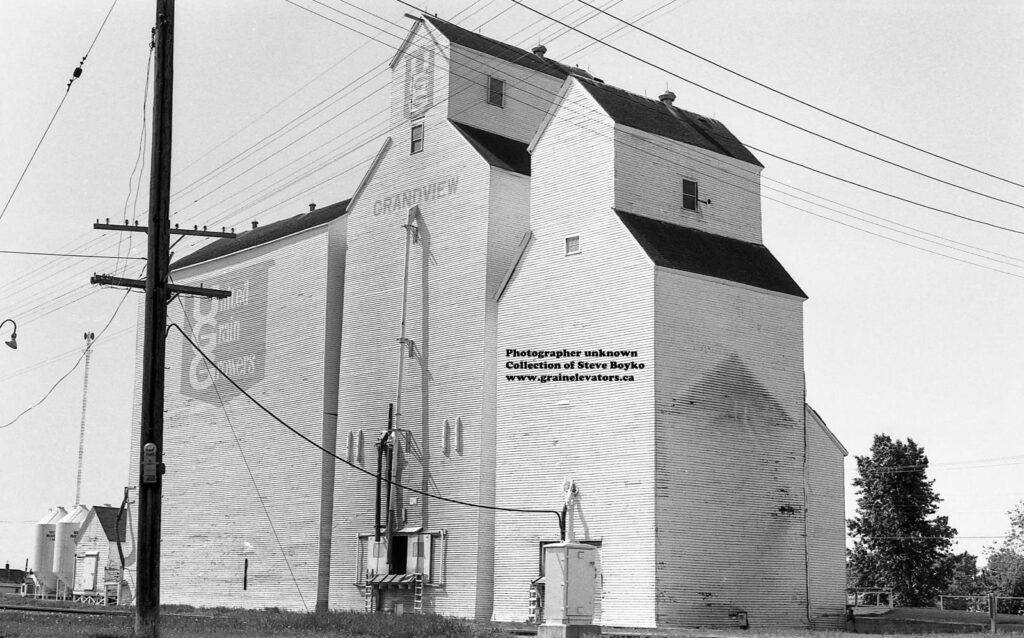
(804, 103)
(74, 76)
(881, 192)
(762, 112)
(495, 508)
(27, 252)
(248, 469)
(66, 374)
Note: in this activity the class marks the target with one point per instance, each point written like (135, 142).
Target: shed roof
(654, 116)
(263, 235)
(498, 150)
(108, 519)
(507, 52)
(704, 253)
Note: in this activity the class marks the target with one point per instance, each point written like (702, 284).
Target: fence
(869, 597)
(981, 604)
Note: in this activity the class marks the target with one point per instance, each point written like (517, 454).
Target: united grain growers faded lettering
(232, 331)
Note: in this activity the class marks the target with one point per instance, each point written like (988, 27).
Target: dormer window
(416, 143)
(496, 92)
(689, 195)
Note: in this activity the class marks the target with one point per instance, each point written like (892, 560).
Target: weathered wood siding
(598, 433)
(826, 525)
(213, 517)
(528, 94)
(649, 173)
(730, 454)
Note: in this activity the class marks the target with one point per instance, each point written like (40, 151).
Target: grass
(174, 623)
(188, 622)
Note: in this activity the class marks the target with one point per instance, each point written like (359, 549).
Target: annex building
(562, 290)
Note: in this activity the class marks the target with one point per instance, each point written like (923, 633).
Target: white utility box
(569, 584)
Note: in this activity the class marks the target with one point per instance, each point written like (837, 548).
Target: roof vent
(312, 206)
(540, 50)
(667, 98)
(255, 224)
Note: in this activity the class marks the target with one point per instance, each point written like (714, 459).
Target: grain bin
(42, 554)
(64, 546)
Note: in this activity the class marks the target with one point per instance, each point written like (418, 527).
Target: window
(572, 245)
(417, 139)
(689, 195)
(496, 92)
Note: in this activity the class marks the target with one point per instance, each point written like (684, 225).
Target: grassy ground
(187, 622)
(242, 624)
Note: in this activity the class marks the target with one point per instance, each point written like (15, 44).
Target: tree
(899, 542)
(967, 578)
(1005, 568)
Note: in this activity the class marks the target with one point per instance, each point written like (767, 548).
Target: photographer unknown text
(554, 366)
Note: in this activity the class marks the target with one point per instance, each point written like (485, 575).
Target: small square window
(572, 245)
(417, 139)
(689, 195)
(496, 92)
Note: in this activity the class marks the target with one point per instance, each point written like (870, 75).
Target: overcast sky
(898, 339)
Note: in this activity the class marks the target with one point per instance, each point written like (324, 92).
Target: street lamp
(13, 343)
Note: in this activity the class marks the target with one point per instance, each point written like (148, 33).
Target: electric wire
(76, 255)
(74, 76)
(454, 501)
(66, 374)
(770, 115)
(248, 468)
(800, 101)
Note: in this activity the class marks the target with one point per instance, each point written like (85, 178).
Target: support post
(147, 611)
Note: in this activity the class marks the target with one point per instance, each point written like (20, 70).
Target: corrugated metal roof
(704, 253)
(499, 151)
(264, 234)
(674, 123)
(108, 519)
(507, 52)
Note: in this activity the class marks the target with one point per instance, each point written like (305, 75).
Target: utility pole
(158, 290)
(89, 338)
(151, 442)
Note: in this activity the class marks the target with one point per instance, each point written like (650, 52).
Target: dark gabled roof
(499, 151)
(704, 253)
(262, 235)
(674, 123)
(108, 519)
(507, 52)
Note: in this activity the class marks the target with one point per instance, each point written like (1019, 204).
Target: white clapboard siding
(730, 487)
(528, 94)
(213, 518)
(457, 262)
(596, 433)
(649, 173)
(826, 537)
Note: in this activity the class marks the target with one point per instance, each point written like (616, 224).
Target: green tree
(899, 542)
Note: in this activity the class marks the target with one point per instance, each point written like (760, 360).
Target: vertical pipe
(147, 609)
(380, 463)
(414, 211)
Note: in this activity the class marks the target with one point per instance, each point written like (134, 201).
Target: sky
(912, 322)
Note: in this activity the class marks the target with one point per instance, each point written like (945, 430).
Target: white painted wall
(730, 450)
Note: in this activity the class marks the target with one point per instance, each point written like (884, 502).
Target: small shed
(98, 572)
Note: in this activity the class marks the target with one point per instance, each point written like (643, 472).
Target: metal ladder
(369, 593)
(533, 605)
(417, 600)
